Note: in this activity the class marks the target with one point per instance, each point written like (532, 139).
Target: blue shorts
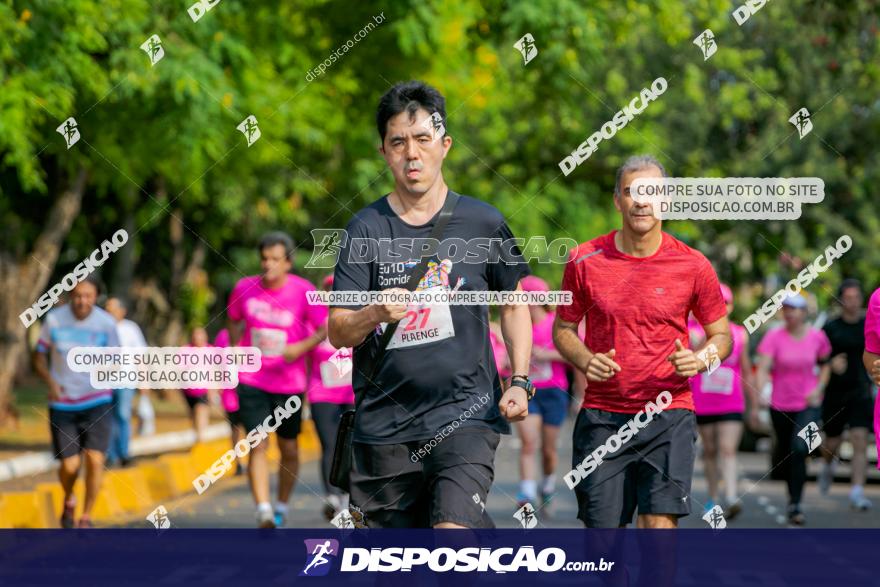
(551, 403)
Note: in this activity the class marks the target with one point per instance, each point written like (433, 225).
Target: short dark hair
(94, 280)
(636, 163)
(270, 239)
(123, 303)
(409, 96)
(848, 283)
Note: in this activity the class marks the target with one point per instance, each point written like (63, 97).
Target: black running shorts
(396, 488)
(651, 471)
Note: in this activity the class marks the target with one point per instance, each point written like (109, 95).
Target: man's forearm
(41, 367)
(723, 343)
(236, 331)
(303, 346)
(516, 327)
(570, 346)
(349, 328)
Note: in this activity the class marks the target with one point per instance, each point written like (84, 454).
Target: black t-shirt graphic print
(439, 365)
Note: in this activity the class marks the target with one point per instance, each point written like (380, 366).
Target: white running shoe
(265, 519)
(858, 501)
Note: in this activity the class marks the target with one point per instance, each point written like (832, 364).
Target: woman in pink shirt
(330, 395)
(197, 398)
(796, 357)
(871, 357)
(548, 408)
(719, 403)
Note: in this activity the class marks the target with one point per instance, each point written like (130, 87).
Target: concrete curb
(137, 490)
(44, 461)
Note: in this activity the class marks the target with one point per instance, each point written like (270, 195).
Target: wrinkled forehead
(631, 176)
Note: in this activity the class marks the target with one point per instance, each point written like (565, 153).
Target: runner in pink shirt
(871, 358)
(330, 395)
(548, 408)
(229, 401)
(790, 354)
(272, 312)
(719, 403)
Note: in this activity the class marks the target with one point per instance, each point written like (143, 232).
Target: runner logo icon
(801, 121)
(811, 436)
(709, 356)
(328, 245)
(250, 129)
(706, 42)
(715, 518)
(153, 48)
(526, 46)
(526, 516)
(318, 556)
(70, 131)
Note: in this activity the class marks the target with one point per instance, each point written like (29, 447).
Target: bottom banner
(756, 558)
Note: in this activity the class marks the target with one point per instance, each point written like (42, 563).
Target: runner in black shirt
(429, 422)
(848, 401)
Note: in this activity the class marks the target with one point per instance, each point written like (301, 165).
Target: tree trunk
(25, 280)
(124, 259)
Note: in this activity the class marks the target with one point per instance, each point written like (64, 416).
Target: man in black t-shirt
(428, 423)
(848, 401)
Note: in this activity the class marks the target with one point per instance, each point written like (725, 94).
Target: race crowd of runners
(649, 317)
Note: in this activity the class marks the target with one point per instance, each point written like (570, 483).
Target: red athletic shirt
(639, 307)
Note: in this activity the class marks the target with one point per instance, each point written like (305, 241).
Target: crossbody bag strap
(415, 277)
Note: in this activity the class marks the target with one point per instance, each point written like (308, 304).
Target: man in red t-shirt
(634, 437)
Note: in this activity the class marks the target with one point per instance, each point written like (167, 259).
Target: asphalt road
(228, 504)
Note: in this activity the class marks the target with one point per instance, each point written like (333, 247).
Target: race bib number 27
(423, 324)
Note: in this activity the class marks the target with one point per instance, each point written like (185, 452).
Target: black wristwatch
(524, 382)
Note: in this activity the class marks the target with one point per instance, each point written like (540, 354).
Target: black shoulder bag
(341, 467)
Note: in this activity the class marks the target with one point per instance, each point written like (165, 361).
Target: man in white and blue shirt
(79, 415)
